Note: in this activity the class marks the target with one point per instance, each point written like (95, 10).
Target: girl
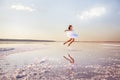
(71, 35)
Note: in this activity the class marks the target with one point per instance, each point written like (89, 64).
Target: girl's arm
(66, 30)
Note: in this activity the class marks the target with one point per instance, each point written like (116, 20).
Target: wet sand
(45, 62)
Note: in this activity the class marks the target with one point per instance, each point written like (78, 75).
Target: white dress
(71, 34)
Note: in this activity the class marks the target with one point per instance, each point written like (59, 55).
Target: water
(85, 54)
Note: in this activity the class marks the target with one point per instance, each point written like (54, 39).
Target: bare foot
(64, 43)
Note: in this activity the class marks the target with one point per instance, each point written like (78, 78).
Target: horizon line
(36, 40)
(29, 40)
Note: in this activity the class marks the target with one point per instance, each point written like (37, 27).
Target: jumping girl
(71, 35)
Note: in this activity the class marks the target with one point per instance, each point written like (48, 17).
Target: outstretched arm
(66, 30)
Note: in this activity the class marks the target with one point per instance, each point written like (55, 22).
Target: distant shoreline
(33, 40)
(26, 40)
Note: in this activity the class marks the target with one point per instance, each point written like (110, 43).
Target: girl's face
(71, 28)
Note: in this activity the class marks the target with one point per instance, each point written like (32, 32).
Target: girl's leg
(67, 59)
(68, 41)
(72, 59)
(71, 42)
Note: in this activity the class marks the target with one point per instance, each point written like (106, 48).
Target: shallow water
(84, 54)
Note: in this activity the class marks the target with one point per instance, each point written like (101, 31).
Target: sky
(92, 20)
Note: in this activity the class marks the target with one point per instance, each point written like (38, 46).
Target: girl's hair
(69, 27)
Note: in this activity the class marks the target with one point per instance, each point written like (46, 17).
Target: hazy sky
(47, 19)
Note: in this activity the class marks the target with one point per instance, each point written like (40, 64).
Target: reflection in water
(71, 61)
